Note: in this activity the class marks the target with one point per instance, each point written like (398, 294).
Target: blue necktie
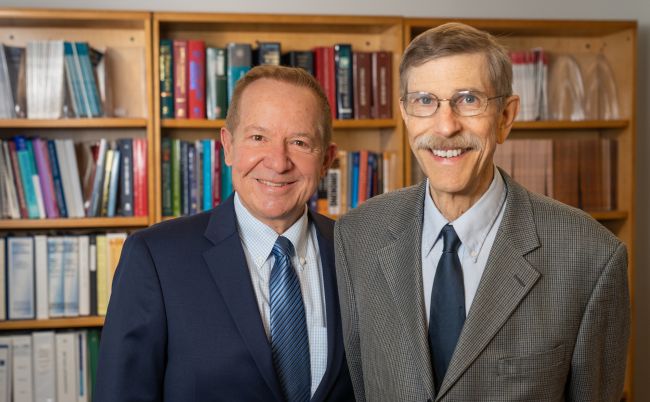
(447, 306)
(289, 337)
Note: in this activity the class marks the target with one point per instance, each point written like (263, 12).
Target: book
(92, 269)
(114, 180)
(125, 205)
(176, 177)
(26, 176)
(140, 178)
(85, 152)
(89, 81)
(102, 274)
(166, 176)
(362, 84)
(6, 368)
(267, 53)
(70, 276)
(180, 74)
(16, 66)
(44, 364)
(66, 367)
(7, 110)
(56, 276)
(300, 58)
(108, 167)
(10, 152)
(166, 79)
(84, 274)
(207, 173)
(325, 73)
(344, 90)
(3, 280)
(382, 85)
(41, 277)
(93, 355)
(56, 178)
(20, 278)
(23, 378)
(239, 59)
(566, 171)
(98, 182)
(196, 79)
(216, 83)
(45, 177)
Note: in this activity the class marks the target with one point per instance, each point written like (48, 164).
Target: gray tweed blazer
(549, 322)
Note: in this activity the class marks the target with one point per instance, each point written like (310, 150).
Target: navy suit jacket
(183, 322)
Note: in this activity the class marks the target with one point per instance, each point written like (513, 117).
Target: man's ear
(329, 156)
(507, 117)
(226, 142)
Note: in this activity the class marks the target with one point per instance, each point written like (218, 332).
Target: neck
(453, 205)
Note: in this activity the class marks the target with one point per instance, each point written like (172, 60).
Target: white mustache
(429, 142)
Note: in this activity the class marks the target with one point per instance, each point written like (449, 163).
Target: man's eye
(425, 100)
(468, 99)
(257, 137)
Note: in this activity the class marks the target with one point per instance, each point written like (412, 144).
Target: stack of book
(57, 276)
(197, 82)
(48, 366)
(578, 172)
(41, 178)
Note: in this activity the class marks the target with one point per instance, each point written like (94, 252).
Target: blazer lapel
(227, 266)
(507, 279)
(325, 233)
(401, 263)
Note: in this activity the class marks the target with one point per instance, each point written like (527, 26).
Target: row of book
(44, 277)
(194, 176)
(529, 81)
(354, 177)
(50, 80)
(577, 172)
(48, 366)
(197, 82)
(57, 178)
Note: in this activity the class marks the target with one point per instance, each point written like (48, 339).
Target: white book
(55, 77)
(44, 361)
(71, 160)
(66, 367)
(3, 282)
(20, 272)
(6, 368)
(70, 276)
(66, 178)
(55, 276)
(84, 275)
(23, 382)
(39, 197)
(83, 379)
(41, 275)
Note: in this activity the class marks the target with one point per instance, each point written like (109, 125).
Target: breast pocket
(547, 363)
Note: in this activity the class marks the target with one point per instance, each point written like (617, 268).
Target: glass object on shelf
(566, 89)
(601, 99)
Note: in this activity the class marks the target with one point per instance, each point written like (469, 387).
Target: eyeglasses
(462, 103)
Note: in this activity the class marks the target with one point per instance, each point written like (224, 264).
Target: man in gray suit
(467, 287)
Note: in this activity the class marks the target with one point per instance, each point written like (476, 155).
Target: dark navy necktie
(447, 306)
(289, 337)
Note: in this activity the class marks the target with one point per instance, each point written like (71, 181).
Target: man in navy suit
(195, 314)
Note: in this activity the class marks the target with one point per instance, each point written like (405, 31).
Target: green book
(176, 177)
(217, 83)
(166, 79)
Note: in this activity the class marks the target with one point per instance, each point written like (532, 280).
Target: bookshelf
(294, 32)
(616, 40)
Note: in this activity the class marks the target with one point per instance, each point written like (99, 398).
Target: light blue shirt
(257, 241)
(476, 228)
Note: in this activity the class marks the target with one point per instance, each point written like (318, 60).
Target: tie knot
(450, 239)
(282, 247)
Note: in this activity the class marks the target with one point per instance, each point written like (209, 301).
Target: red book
(196, 92)
(361, 83)
(325, 69)
(140, 188)
(382, 85)
(180, 79)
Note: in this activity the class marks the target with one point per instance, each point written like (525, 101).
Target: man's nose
(445, 120)
(277, 157)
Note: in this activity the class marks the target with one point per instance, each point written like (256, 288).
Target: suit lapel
(507, 279)
(401, 263)
(227, 266)
(324, 230)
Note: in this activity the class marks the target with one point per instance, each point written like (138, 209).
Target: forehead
(446, 75)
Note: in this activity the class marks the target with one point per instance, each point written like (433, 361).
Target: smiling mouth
(448, 153)
(274, 183)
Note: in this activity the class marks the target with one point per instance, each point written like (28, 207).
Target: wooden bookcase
(294, 32)
(616, 40)
(127, 36)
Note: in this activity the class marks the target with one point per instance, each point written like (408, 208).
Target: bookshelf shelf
(571, 125)
(52, 323)
(73, 223)
(107, 122)
(337, 124)
(609, 215)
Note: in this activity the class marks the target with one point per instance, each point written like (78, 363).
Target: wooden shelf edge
(608, 215)
(53, 323)
(71, 223)
(104, 122)
(337, 124)
(570, 125)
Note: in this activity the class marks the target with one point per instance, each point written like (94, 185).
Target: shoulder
(175, 231)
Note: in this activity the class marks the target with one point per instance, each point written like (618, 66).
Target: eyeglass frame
(479, 94)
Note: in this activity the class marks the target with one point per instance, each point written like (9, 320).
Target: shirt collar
(472, 226)
(259, 238)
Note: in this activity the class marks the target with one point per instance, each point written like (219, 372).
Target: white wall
(559, 9)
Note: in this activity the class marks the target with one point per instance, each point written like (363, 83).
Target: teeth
(272, 184)
(447, 153)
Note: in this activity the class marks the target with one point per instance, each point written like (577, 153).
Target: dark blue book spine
(185, 180)
(344, 90)
(56, 178)
(125, 206)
